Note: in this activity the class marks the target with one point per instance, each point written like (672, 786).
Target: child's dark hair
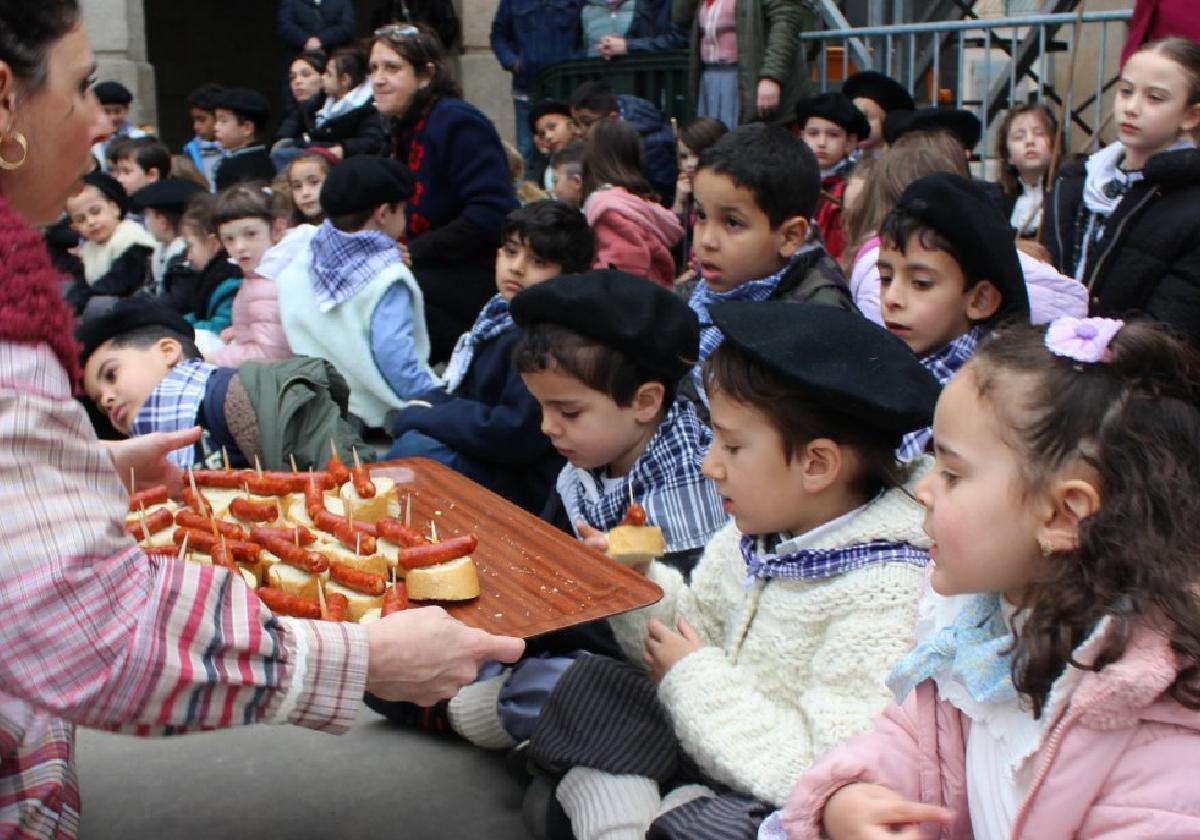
(613, 154)
(772, 163)
(356, 220)
(148, 336)
(900, 226)
(117, 150)
(569, 155)
(600, 367)
(1010, 179)
(199, 214)
(1135, 420)
(313, 58)
(351, 62)
(799, 419)
(701, 133)
(248, 200)
(148, 153)
(596, 97)
(203, 97)
(553, 231)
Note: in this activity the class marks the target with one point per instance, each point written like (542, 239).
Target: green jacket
(768, 40)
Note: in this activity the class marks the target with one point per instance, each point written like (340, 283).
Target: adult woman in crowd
(95, 632)
(463, 189)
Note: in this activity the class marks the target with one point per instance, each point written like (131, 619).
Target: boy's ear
(648, 401)
(821, 462)
(153, 175)
(983, 301)
(793, 233)
(171, 351)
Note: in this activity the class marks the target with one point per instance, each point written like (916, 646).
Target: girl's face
(977, 510)
(247, 240)
(201, 247)
(687, 162)
(393, 80)
(1029, 146)
(1152, 108)
(304, 81)
(93, 216)
(305, 178)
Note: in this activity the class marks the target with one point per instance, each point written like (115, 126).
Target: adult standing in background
(438, 15)
(1154, 20)
(321, 25)
(650, 31)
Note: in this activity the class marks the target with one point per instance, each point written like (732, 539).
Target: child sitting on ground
(780, 646)
(305, 177)
(948, 270)
(115, 99)
(567, 165)
(348, 297)
(115, 251)
(553, 130)
(207, 301)
(144, 371)
(162, 204)
(204, 149)
(832, 127)
(1053, 691)
(241, 118)
(139, 162)
(484, 422)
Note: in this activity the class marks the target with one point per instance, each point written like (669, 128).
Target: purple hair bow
(1082, 339)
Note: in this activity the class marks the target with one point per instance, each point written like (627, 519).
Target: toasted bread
(453, 581)
(360, 603)
(376, 564)
(636, 546)
(292, 580)
(374, 508)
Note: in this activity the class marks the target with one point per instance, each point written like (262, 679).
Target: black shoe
(542, 813)
(435, 718)
(516, 762)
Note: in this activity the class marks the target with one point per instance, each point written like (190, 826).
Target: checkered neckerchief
(820, 563)
(174, 404)
(492, 320)
(343, 263)
(943, 364)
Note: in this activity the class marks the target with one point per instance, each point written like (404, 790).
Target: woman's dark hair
(350, 61)
(28, 31)
(424, 52)
(701, 133)
(613, 154)
(313, 58)
(1010, 179)
(1135, 420)
(798, 418)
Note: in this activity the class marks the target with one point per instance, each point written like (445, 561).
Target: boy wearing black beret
(241, 117)
(948, 270)
(162, 204)
(553, 129)
(876, 95)
(832, 127)
(115, 99)
(349, 298)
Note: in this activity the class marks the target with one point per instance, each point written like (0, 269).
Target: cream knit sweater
(794, 667)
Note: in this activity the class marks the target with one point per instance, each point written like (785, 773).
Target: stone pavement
(284, 782)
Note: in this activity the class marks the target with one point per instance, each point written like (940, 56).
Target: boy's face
(828, 140)
(305, 179)
(120, 379)
(201, 247)
(93, 216)
(131, 176)
(874, 113)
(554, 131)
(922, 296)
(733, 238)
(159, 225)
(203, 123)
(586, 119)
(568, 185)
(232, 133)
(518, 267)
(587, 427)
(247, 240)
(117, 115)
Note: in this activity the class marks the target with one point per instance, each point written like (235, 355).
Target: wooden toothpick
(183, 547)
(225, 459)
(132, 482)
(257, 465)
(321, 597)
(408, 510)
(433, 531)
(292, 458)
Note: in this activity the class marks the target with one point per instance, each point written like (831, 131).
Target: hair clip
(1082, 339)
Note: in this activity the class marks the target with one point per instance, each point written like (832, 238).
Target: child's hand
(593, 537)
(665, 647)
(227, 335)
(863, 811)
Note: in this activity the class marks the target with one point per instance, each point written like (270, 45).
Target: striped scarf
(943, 363)
(821, 563)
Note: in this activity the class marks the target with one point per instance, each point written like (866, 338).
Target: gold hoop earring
(1046, 547)
(20, 140)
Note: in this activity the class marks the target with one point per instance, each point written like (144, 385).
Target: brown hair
(1136, 421)
(701, 133)
(613, 154)
(183, 167)
(1010, 179)
(1184, 52)
(285, 186)
(249, 200)
(199, 214)
(422, 50)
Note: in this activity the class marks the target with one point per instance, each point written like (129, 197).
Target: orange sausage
(148, 498)
(154, 522)
(287, 604)
(395, 599)
(358, 580)
(434, 553)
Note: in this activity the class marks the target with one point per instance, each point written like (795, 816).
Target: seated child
(348, 296)
(780, 646)
(755, 192)
(204, 149)
(207, 301)
(242, 117)
(139, 162)
(593, 103)
(115, 99)
(876, 95)
(1025, 147)
(162, 204)
(948, 271)
(553, 129)
(115, 251)
(525, 189)
(695, 137)
(832, 127)
(145, 373)
(1053, 691)
(484, 422)
(567, 165)
(248, 225)
(305, 177)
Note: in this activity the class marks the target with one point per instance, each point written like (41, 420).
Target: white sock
(474, 714)
(604, 806)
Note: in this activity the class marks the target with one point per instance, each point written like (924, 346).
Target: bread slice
(635, 546)
(453, 581)
(374, 508)
(292, 580)
(159, 539)
(373, 614)
(219, 499)
(360, 603)
(376, 564)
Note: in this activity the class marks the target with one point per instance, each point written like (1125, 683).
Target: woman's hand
(146, 457)
(862, 811)
(612, 46)
(768, 96)
(665, 647)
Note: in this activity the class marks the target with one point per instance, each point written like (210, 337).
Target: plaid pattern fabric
(174, 404)
(821, 563)
(665, 479)
(343, 263)
(943, 364)
(492, 320)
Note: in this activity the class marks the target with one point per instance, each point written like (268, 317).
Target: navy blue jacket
(658, 141)
(492, 418)
(530, 35)
(331, 20)
(652, 29)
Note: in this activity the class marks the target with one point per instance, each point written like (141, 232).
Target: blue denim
(529, 152)
(414, 444)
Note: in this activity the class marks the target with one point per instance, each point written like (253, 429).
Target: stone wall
(117, 29)
(486, 85)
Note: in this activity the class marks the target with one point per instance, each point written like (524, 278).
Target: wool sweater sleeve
(783, 38)
(630, 628)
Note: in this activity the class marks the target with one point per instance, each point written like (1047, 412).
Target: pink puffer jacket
(257, 330)
(633, 234)
(1119, 762)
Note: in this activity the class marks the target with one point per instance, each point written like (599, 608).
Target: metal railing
(958, 58)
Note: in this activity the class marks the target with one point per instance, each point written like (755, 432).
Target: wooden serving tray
(533, 577)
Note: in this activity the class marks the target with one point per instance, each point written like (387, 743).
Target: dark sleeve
(446, 22)
(341, 31)
(503, 38)
(127, 274)
(370, 136)
(290, 30)
(652, 29)
(673, 38)
(459, 240)
(1175, 300)
(291, 127)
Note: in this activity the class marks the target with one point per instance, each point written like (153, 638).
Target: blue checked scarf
(666, 480)
(943, 364)
(974, 650)
(343, 263)
(821, 563)
(174, 404)
(492, 320)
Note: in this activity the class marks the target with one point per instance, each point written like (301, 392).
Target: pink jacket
(1118, 762)
(257, 331)
(633, 234)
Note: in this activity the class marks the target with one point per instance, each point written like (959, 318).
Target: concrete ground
(264, 783)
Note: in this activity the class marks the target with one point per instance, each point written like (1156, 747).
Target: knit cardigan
(791, 667)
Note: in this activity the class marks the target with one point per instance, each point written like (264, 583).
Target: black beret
(171, 194)
(127, 315)
(652, 326)
(843, 360)
(363, 183)
(838, 109)
(963, 214)
(110, 188)
(247, 104)
(885, 90)
(547, 106)
(962, 124)
(112, 93)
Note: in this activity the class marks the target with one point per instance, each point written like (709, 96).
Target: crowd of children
(1008, 578)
